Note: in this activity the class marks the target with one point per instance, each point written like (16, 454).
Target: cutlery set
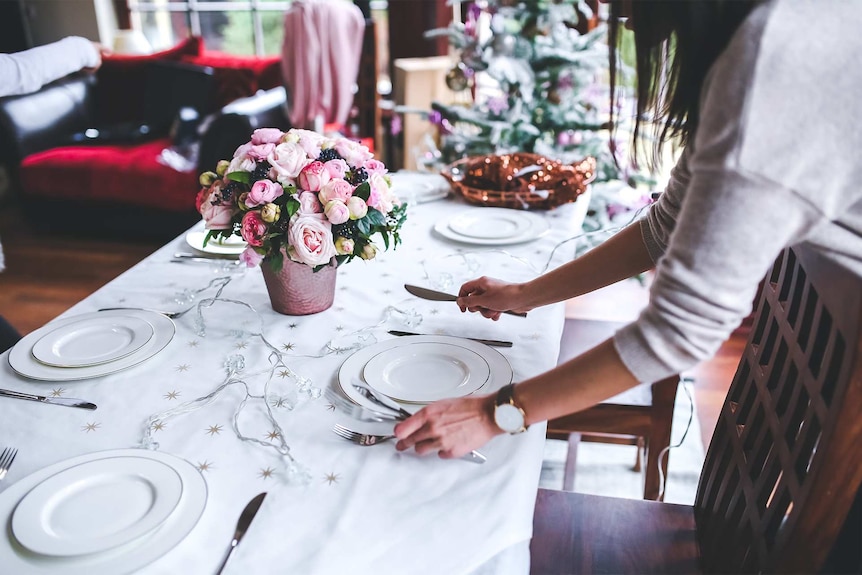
(6, 459)
(64, 401)
(434, 295)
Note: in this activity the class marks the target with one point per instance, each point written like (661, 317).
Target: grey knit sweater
(776, 161)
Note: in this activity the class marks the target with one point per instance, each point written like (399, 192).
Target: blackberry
(328, 154)
(260, 171)
(346, 230)
(231, 190)
(358, 176)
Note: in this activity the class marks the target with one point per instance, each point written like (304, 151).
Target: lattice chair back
(785, 461)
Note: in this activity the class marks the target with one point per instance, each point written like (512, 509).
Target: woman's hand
(491, 297)
(452, 427)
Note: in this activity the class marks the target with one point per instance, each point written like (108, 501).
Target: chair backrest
(785, 461)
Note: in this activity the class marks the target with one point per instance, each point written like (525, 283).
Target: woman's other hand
(491, 297)
(451, 427)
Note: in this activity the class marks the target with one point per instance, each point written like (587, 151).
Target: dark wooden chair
(641, 417)
(782, 470)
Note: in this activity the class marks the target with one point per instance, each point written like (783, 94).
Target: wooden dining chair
(782, 470)
(641, 416)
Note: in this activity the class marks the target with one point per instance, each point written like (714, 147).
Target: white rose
(287, 160)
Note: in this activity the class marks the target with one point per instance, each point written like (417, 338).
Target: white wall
(51, 20)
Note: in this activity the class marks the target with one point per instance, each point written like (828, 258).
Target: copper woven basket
(519, 180)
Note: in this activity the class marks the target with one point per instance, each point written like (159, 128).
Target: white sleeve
(27, 71)
(660, 221)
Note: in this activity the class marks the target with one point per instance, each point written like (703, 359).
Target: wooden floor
(46, 274)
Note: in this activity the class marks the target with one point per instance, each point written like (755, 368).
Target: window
(243, 27)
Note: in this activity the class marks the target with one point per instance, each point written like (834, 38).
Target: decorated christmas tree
(536, 84)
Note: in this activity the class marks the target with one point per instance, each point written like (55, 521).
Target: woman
(762, 95)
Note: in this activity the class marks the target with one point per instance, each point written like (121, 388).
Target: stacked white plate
(105, 512)
(232, 246)
(492, 227)
(91, 344)
(416, 370)
(419, 187)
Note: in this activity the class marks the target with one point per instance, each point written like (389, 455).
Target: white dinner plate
(426, 372)
(419, 187)
(492, 227)
(22, 361)
(353, 367)
(232, 246)
(14, 558)
(93, 341)
(96, 506)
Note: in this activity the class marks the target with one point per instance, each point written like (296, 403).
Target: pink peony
(287, 161)
(336, 190)
(250, 257)
(310, 238)
(253, 229)
(313, 177)
(308, 203)
(260, 151)
(308, 140)
(336, 168)
(353, 152)
(263, 192)
(336, 212)
(373, 166)
(266, 136)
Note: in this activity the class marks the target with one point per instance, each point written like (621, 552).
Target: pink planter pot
(297, 290)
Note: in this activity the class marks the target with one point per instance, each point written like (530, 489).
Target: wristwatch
(507, 414)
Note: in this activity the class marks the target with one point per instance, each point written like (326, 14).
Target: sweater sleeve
(27, 71)
(660, 221)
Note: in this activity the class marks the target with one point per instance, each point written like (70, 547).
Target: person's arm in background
(27, 71)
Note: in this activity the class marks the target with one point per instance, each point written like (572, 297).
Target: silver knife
(494, 342)
(434, 295)
(245, 519)
(65, 401)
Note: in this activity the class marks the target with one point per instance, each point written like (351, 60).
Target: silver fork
(170, 314)
(6, 459)
(360, 438)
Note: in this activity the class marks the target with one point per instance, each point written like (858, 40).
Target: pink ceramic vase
(297, 290)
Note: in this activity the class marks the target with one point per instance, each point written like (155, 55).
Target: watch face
(509, 418)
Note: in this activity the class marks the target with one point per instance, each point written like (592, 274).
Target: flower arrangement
(303, 194)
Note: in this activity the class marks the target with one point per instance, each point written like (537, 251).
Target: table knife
(66, 401)
(493, 342)
(245, 519)
(434, 295)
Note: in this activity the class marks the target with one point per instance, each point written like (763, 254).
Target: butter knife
(245, 519)
(65, 401)
(434, 295)
(493, 342)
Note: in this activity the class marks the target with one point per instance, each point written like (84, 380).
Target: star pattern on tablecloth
(159, 425)
(283, 373)
(241, 345)
(434, 311)
(331, 478)
(278, 402)
(534, 336)
(339, 328)
(214, 429)
(91, 427)
(288, 346)
(293, 325)
(330, 406)
(273, 435)
(439, 331)
(121, 300)
(205, 466)
(387, 291)
(266, 473)
(182, 367)
(192, 343)
(343, 288)
(57, 392)
(172, 395)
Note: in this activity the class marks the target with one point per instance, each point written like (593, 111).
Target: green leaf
(276, 261)
(363, 191)
(375, 217)
(363, 226)
(292, 207)
(244, 177)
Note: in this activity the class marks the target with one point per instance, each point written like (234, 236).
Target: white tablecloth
(365, 509)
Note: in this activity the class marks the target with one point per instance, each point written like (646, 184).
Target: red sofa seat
(120, 174)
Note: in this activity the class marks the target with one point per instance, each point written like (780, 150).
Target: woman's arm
(27, 71)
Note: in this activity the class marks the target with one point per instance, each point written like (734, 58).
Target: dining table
(238, 394)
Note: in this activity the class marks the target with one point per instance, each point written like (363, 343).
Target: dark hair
(676, 43)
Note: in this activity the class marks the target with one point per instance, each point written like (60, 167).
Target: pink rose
(241, 164)
(242, 151)
(380, 197)
(263, 192)
(336, 168)
(336, 212)
(336, 190)
(313, 177)
(310, 238)
(266, 136)
(353, 152)
(261, 151)
(216, 217)
(287, 161)
(358, 208)
(250, 257)
(308, 140)
(373, 166)
(308, 203)
(253, 229)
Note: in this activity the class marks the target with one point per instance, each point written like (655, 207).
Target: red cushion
(122, 82)
(126, 174)
(239, 76)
